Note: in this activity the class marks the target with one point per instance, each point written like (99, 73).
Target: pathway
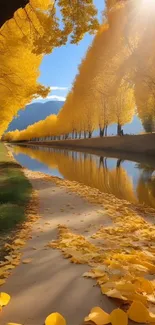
(51, 283)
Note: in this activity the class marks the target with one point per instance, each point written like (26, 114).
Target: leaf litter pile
(121, 256)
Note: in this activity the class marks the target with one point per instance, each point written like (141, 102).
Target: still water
(129, 180)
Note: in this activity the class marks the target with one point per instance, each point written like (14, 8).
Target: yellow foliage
(32, 32)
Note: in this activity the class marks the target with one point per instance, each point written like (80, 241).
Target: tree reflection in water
(93, 171)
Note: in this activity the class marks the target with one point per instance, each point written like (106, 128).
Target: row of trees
(115, 79)
(36, 30)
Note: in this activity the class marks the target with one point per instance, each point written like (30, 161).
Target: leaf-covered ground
(121, 255)
(105, 239)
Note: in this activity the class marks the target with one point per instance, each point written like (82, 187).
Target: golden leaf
(19, 242)
(138, 312)
(114, 293)
(98, 316)
(55, 319)
(146, 285)
(13, 324)
(151, 317)
(27, 261)
(4, 299)
(2, 282)
(118, 317)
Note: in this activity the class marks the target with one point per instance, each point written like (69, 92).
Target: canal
(126, 179)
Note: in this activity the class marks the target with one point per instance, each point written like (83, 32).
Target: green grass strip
(15, 192)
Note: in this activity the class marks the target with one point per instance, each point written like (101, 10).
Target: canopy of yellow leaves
(32, 32)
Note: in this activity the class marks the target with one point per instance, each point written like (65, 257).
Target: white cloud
(55, 97)
(50, 97)
(58, 88)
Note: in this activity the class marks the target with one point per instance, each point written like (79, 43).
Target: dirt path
(51, 283)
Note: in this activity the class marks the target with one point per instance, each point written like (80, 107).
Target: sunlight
(149, 3)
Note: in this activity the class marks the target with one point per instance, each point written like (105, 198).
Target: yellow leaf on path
(125, 287)
(55, 319)
(98, 316)
(151, 317)
(4, 299)
(151, 298)
(9, 267)
(19, 242)
(138, 312)
(2, 282)
(27, 261)
(114, 293)
(146, 285)
(89, 275)
(13, 324)
(118, 317)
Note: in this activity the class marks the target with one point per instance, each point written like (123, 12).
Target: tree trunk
(85, 134)
(106, 129)
(80, 135)
(101, 132)
(119, 129)
(89, 134)
(118, 163)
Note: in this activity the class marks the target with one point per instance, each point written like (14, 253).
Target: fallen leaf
(2, 282)
(55, 319)
(27, 261)
(19, 242)
(146, 285)
(138, 312)
(4, 299)
(13, 324)
(118, 317)
(115, 294)
(98, 316)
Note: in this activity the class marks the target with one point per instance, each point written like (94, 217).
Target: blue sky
(60, 67)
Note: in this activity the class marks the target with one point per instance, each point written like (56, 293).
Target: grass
(15, 192)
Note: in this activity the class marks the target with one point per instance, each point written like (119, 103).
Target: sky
(58, 70)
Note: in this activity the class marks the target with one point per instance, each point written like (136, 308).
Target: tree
(124, 105)
(33, 31)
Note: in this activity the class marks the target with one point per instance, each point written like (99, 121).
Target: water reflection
(125, 179)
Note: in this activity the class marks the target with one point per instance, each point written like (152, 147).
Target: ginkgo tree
(117, 76)
(35, 30)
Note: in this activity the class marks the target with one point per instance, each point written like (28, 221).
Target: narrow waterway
(126, 179)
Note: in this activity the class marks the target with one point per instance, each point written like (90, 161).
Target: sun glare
(149, 3)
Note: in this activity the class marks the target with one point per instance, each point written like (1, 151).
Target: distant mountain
(39, 111)
(33, 113)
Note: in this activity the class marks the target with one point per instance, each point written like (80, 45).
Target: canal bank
(139, 144)
(15, 195)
